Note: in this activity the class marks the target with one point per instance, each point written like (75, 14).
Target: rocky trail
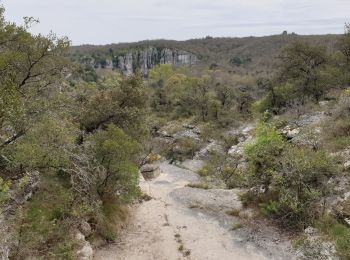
(189, 223)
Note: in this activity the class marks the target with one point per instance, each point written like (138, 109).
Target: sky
(113, 21)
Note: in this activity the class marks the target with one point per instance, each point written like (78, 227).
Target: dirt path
(173, 226)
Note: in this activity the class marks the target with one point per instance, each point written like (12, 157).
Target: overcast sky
(112, 21)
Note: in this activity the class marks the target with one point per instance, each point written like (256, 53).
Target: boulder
(85, 228)
(236, 150)
(290, 132)
(347, 165)
(150, 171)
(86, 252)
(206, 150)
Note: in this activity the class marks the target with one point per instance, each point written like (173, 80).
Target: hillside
(253, 54)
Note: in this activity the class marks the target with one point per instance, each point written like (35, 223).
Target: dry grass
(203, 186)
(233, 212)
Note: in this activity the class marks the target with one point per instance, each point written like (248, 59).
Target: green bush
(45, 223)
(338, 233)
(182, 149)
(337, 128)
(288, 181)
(223, 167)
(4, 190)
(116, 151)
(263, 155)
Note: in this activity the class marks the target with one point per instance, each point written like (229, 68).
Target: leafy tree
(30, 66)
(116, 151)
(48, 144)
(344, 47)
(301, 64)
(124, 104)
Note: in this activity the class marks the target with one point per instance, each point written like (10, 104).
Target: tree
(301, 64)
(48, 144)
(344, 47)
(30, 67)
(124, 104)
(116, 151)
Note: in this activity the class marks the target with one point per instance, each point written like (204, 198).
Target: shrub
(182, 149)
(289, 181)
(338, 233)
(203, 186)
(224, 168)
(263, 155)
(45, 223)
(115, 151)
(4, 190)
(109, 218)
(337, 128)
(229, 140)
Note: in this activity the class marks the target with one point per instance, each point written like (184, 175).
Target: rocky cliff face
(144, 60)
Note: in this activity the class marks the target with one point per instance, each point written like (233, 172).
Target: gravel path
(185, 223)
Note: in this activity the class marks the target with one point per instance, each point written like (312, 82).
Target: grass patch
(338, 233)
(203, 186)
(145, 197)
(236, 226)
(187, 253)
(45, 222)
(233, 212)
(111, 215)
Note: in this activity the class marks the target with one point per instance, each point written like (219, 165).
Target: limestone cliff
(142, 59)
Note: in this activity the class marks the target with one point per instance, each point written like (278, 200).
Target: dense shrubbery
(225, 168)
(73, 133)
(337, 128)
(216, 97)
(289, 182)
(307, 72)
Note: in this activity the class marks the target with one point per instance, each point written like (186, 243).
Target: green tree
(30, 66)
(116, 152)
(125, 105)
(48, 144)
(301, 64)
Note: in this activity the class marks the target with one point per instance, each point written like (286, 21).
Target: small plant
(4, 190)
(203, 186)
(187, 253)
(233, 212)
(193, 206)
(145, 197)
(236, 226)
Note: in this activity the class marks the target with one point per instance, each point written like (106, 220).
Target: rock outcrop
(143, 60)
(8, 212)
(150, 171)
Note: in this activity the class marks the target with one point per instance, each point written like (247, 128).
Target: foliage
(4, 190)
(115, 151)
(182, 149)
(337, 232)
(337, 128)
(123, 104)
(48, 144)
(203, 186)
(289, 181)
(224, 168)
(263, 155)
(45, 223)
